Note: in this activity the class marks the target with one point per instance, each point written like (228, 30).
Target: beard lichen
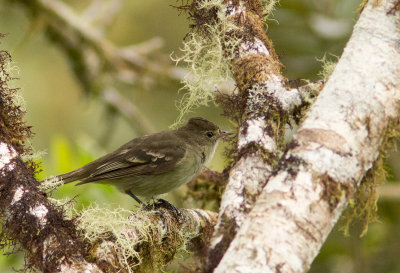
(214, 42)
(328, 65)
(207, 52)
(12, 113)
(131, 240)
(97, 224)
(218, 31)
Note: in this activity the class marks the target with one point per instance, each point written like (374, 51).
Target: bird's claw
(162, 203)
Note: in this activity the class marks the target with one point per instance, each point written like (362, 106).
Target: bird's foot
(162, 203)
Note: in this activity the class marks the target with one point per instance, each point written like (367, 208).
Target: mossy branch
(96, 239)
(228, 40)
(144, 240)
(28, 219)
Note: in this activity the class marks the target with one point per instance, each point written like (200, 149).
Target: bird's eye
(210, 134)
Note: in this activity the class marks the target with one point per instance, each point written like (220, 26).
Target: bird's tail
(69, 177)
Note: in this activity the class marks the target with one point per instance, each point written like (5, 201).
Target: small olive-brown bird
(154, 164)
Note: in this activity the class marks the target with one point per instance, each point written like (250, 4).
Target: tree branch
(390, 192)
(55, 243)
(27, 217)
(268, 105)
(143, 241)
(336, 145)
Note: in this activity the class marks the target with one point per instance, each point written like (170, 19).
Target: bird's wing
(133, 161)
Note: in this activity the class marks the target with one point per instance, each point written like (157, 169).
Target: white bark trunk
(335, 146)
(251, 172)
(242, 180)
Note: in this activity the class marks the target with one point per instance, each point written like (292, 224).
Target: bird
(154, 164)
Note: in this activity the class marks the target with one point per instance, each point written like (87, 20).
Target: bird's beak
(225, 133)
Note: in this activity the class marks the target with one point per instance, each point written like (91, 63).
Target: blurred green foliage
(74, 129)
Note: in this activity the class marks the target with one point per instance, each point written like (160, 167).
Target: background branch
(99, 65)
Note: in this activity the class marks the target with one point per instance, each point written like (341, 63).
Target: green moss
(362, 5)
(363, 206)
(335, 192)
(328, 65)
(206, 189)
